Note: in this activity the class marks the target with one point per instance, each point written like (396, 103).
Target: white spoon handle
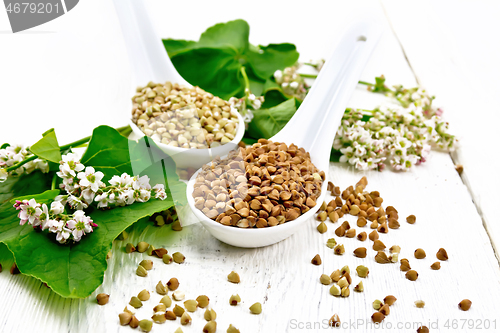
(147, 55)
(315, 123)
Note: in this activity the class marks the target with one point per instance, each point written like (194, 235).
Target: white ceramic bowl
(252, 237)
(195, 158)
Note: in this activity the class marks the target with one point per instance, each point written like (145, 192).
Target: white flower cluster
(65, 226)
(84, 186)
(291, 82)
(13, 155)
(402, 135)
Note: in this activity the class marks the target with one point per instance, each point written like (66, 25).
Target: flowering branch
(13, 160)
(16, 160)
(403, 136)
(84, 186)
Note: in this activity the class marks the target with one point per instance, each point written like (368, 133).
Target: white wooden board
(453, 48)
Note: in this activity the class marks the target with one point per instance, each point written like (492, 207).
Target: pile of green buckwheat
(185, 117)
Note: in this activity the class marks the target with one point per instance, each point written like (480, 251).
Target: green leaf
(214, 62)
(6, 258)
(268, 122)
(216, 70)
(233, 34)
(35, 182)
(5, 145)
(44, 197)
(175, 46)
(70, 270)
(257, 85)
(273, 94)
(273, 97)
(271, 58)
(108, 151)
(47, 147)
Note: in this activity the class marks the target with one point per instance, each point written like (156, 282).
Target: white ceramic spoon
(150, 62)
(313, 127)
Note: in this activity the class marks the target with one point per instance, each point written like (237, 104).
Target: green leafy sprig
(76, 270)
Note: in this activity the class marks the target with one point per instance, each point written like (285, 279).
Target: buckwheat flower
(56, 208)
(125, 197)
(69, 184)
(398, 151)
(409, 162)
(4, 157)
(359, 150)
(403, 142)
(348, 153)
(76, 202)
(44, 217)
(162, 195)
(88, 195)
(159, 187)
(278, 75)
(30, 212)
(112, 198)
(42, 165)
(55, 225)
(121, 181)
(63, 199)
(79, 225)
(354, 160)
(29, 167)
(141, 183)
(63, 235)
(91, 178)
(16, 159)
(70, 165)
(143, 195)
(18, 204)
(247, 118)
(360, 165)
(159, 190)
(426, 150)
(102, 200)
(396, 163)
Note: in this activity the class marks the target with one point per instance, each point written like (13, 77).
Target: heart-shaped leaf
(215, 62)
(268, 122)
(47, 147)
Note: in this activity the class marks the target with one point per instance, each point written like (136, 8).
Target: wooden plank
(452, 48)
